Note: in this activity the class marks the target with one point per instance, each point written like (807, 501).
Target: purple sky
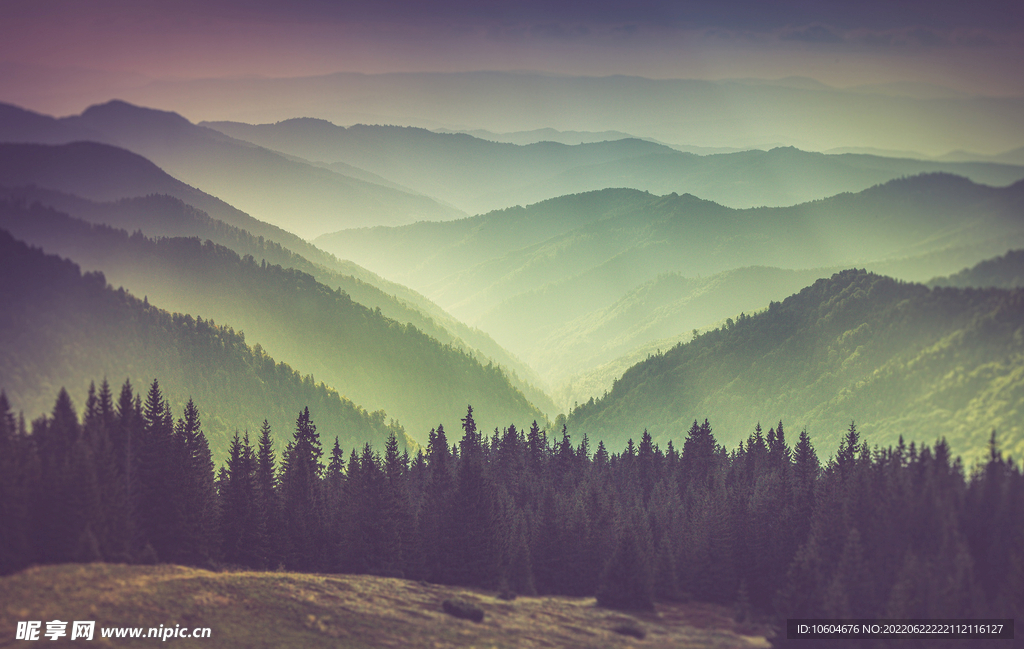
(51, 48)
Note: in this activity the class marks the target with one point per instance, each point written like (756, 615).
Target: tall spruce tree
(269, 496)
(198, 492)
(302, 498)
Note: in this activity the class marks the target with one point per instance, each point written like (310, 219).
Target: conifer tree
(239, 519)
(160, 480)
(302, 497)
(126, 438)
(627, 582)
(198, 492)
(334, 494)
(269, 496)
(474, 529)
(59, 523)
(439, 485)
(15, 471)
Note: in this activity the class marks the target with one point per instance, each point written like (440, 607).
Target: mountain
(1014, 157)
(158, 215)
(896, 358)
(102, 172)
(473, 174)
(477, 175)
(543, 135)
(733, 113)
(472, 265)
(60, 328)
(1006, 271)
(296, 196)
(366, 356)
(562, 347)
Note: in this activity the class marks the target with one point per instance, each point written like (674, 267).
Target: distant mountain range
(898, 359)
(300, 197)
(900, 219)
(739, 113)
(477, 175)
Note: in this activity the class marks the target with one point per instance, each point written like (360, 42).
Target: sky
(60, 56)
(969, 46)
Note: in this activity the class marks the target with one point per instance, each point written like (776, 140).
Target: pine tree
(269, 496)
(302, 498)
(126, 436)
(475, 534)
(63, 483)
(334, 494)
(198, 492)
(627, 582)
(245, 536)
(16, 463)
(436, 552)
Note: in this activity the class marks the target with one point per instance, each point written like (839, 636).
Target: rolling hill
(898, 359)
(477, 175)
(470, 266)
(158, 215)
(60, 328)
(1006, 271)
(299, 197)
(368, 357)
(667, 308)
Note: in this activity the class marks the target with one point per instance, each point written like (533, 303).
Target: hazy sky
(50, 48)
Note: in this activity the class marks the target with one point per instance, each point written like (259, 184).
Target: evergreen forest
(767, 528)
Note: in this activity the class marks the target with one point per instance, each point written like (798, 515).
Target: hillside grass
(281, 609)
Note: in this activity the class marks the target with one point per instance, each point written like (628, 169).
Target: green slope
(470, 266)
(1006, 271)
(368, 357)
(59, 328)
(899, 359)
(668, 307)
(158, 215)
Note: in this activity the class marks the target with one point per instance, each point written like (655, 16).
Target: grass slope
(276, 609)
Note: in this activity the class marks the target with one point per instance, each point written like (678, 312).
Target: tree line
(767, 528)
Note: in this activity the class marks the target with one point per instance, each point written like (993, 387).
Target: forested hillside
(577, 330)
(899, 359)
(1006, 271)
(59, 328)
(368, 357)
(158, 215)
(469, 266)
